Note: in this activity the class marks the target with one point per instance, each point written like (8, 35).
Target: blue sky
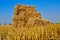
(50, 9)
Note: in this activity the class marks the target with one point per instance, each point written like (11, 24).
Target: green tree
(0, 23)
(10, 24)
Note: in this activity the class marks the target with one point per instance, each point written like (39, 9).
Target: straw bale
(27, 16)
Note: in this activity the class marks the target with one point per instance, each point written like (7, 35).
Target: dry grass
(48, 32)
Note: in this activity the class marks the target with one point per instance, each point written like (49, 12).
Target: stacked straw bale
(27, 16)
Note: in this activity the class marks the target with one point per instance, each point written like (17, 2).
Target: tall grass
(48, 32)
